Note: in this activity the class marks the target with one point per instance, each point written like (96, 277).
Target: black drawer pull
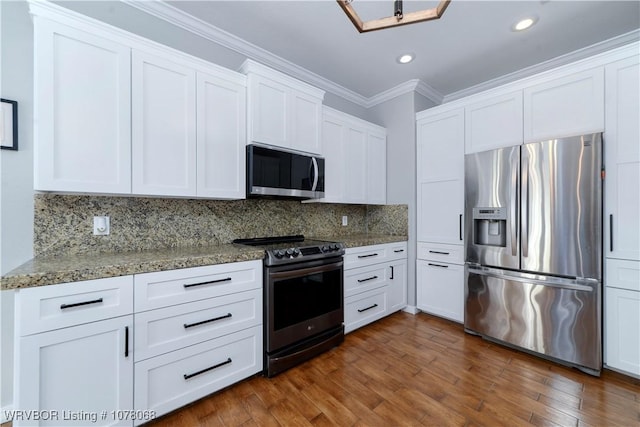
(191, 325)
(126, 341)
(398, 251)
(439, 253)
(367, 279)
(368, 308)
(460, 226)
(610, 233)
(226, 362)
(367, 256)
(228, 279)
(439, 265)
(78, 304)
(391, 278)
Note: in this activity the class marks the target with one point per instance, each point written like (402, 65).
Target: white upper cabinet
(493, 122)
(282, 111)
(376, 167)
(622, 157)
(82, 111)
(440, 169)
(566, 106)
(355, 154)
(221, 137)
(164, 126)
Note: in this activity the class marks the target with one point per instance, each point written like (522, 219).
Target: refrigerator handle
(525, 204)
(514, 208)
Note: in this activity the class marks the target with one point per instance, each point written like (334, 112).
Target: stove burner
(290, 249)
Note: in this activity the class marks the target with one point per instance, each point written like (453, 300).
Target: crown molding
(572, 57)
(415, 85)
(217, 35)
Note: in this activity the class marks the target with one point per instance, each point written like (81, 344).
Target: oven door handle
(297, 272)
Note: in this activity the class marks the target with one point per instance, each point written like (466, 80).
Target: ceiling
(472, 43)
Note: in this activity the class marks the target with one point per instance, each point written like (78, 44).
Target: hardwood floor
(420, 370)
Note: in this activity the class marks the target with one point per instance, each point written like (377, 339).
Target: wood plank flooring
(420, 370)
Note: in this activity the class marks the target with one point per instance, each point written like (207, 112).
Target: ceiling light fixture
(523, 24)
(398, 18)
(406, 58)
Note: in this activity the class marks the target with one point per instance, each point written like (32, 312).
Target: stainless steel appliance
(303, 299)
(284, 174)
(533, 243)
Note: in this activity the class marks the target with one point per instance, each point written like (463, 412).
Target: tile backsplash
(63, 224)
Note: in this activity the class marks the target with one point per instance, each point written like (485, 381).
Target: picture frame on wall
(8, 124)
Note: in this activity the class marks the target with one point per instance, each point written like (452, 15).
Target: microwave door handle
(314, 162)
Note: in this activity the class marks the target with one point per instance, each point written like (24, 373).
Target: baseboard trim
(411, 309)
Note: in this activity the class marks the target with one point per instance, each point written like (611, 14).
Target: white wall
(16, 170)
(398, 116)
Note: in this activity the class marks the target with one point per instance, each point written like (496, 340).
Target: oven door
(302, 300)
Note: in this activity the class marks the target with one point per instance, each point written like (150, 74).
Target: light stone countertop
(44, 271)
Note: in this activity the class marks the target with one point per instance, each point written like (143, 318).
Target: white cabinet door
(622, 330)
(622, 145)
(82, 111)
(397, 286)
(440, 289)
(333, 144)
(268, 111)
(440, 169)
(493, 123)
(221, 133)
(376, 168)
(567, 106)
(164, 126)
(306, 117)
(355, 149)
(78, 371)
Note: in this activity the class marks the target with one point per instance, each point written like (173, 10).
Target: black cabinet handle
(367, 279)
(191, 325)
(367, 256)
(391, 272)
(228, 279)
(439, 265)
(226, 362)
(126, 341)
(439, 253)
(460, 226)
(78, 304)
(610, 233)
(398, 251)
(368, 308)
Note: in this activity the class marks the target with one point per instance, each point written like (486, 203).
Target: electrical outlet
(101, 226)
(345, 220)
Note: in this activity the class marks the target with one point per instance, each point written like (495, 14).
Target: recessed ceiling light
(406, 58)
(523, 24)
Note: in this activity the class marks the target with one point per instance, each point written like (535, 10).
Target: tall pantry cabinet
(622, 210)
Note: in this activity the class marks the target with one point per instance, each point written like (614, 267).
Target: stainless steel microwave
(280, 173)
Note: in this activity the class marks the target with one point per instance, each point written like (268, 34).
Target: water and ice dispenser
(490, 226)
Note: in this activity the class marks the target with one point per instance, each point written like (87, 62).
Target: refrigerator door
(561, 223)
(558, 318)
(491, 207)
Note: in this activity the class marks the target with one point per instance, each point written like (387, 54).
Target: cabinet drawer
(397, 251)
(169, 381)
(166, 288)
(358, 280)
(623, 274)
(171, 328)
(364, 308)
(440, 252)
(365, 255)
(52, 307)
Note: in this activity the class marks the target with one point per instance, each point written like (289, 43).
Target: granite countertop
(53, 270)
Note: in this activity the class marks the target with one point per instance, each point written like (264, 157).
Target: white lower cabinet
(77, 375)
(375, 283)
(171, 380)
(440, 289)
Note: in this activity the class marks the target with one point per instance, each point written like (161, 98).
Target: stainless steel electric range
(303, 299)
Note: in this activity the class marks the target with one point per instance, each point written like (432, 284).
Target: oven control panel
(304, 253)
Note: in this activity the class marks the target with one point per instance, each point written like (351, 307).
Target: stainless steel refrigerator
(533, 245)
